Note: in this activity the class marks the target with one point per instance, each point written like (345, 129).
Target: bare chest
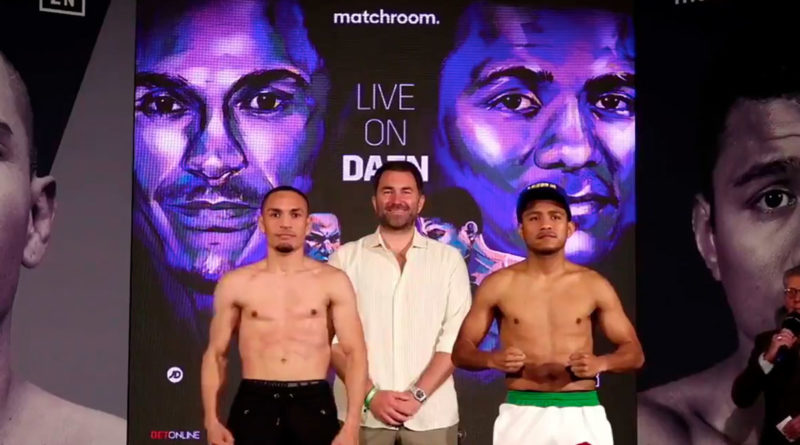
(285, 300)
(541, 311)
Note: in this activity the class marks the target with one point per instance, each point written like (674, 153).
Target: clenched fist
(509, 360)
(585, 365)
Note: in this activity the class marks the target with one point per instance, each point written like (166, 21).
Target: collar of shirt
(376, 240)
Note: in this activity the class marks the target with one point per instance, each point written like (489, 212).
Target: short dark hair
(398, 166)
(285, 188)
(793, 272)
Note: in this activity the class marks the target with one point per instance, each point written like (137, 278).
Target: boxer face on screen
(541, 95)
(324, 237)
(436, 228)
(228, 105)
(755, 237)
(26, 201)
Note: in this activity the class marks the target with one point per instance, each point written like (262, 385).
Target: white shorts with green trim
(541, 418)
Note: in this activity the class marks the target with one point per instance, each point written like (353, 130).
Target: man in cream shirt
(413, 293)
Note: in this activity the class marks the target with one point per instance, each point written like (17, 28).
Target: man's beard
(284, 248)
(386, 220)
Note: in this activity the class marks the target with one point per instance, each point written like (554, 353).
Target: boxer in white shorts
(545, 306)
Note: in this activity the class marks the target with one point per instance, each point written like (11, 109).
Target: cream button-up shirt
(407, 316)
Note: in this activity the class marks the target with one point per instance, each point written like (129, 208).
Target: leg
(441, 436)
(377, 436)
(312, 418)
(519, 424)
(254, 420)
(597, 429)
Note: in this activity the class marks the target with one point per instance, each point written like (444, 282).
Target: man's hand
(784, 337)
(586, 365)
(386, 406)
(792, 429)
(218, 434)
(509, 360)
(409, 407)
(348, 435)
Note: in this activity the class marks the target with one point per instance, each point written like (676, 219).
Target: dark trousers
(283, 413)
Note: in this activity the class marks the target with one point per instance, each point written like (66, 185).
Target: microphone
(791, 323)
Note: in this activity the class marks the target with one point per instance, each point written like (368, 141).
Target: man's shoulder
(695, 408)
(689, 395)
(658, 423)
(241, 273)
(327, 272)
(351, 247)
(587, 274)
(505, 275)
(42, 417)
(673, 394)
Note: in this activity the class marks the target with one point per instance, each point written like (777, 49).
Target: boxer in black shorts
(267, 411)
(286, 309)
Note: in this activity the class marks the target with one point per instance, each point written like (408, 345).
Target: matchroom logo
(382, 17)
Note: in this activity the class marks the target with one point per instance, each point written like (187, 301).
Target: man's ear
(40, 220)
(704, 234)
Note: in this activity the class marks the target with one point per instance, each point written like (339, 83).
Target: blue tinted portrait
(324, 237)
(533, 95)
(229, 102)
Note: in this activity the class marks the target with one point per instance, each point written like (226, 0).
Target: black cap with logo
(542, 191)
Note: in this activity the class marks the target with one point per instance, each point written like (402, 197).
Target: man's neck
(397, 240)
(6, 377)
(552, 264)
(285, 262)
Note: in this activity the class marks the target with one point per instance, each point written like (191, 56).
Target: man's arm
(212, 373)
(749, 384)
(618, 329)
(466, 354)
(353, 358)
(338, 358)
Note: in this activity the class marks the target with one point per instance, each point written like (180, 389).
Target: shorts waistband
(279, 384)
(274, 388)
(556, 399)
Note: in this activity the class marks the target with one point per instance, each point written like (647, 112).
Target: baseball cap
(542, 191)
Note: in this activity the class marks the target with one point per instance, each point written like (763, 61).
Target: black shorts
(283, 413)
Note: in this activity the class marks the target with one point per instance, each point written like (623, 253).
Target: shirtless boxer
(545, 306)
(286, 308)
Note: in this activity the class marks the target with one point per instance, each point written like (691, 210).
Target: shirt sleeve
(765, 365)
(459, 299)
(751, 381)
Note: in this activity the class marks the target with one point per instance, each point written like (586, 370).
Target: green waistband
(559, 399)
